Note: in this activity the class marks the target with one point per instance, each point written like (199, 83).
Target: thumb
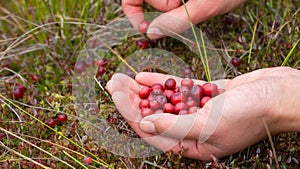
(177, 20)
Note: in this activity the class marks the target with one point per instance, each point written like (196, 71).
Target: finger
(134, 12)
(121, 82)
(132, 114)
(177, 20)
(164, 5)
(175, 126)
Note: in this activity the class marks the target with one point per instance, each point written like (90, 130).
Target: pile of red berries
(185, 99)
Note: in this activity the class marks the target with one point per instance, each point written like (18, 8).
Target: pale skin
(271, 95)
(267, 94)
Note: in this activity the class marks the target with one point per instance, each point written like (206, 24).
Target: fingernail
(154, 33)
(147, 127)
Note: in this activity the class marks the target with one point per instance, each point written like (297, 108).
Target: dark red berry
(50, 122)
(87, 160)
(17, 93)
(236, 61)
(191, 103)
(204, 100)
(210, 89)
(169, 108)
(142, 44)
(168, 93)
(170, 84)
(177, 98)
(62, 117)
(144, 104)
(101, 62)
(145, 92)
(162, 100)
(146, 112)
(158, 86)
(111, 119)
(35, 78)
(184, 89)
(180, 106)
(187, 72)
(144, 26)
(80, 67)
(197, 92)
(183, 112)
(100, 71)
(187, 82)
(154, 105)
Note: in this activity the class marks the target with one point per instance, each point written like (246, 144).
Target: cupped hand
(227, 124)
(175, 18)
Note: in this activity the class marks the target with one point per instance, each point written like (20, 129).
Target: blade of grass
(120, 57)
(20, 138)
(75, 159)
(103, 163)
(23, 156)
(57, 145)
(252, 41)
(272, 143)
(207, 73)
(290, 53)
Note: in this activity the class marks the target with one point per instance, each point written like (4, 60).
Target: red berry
(168, 93)
(144, 104)
(169, 108)
(87, 160)
(100, 71)
(80, 67)
(187, 82)
(145, 92)
(191, 103)
(162, 100)
(170, 84)
(35, 78)
(204, 100)
(50, 122)
(62, 117)
(17, 93)
(151, 97)
(184, 89)
(21, 86)
(144, 26)
(210, 89)
(178, 97)
(180, 106)
(183, 112)
(158, 86)
(193, 110)
(157, 92)
(142, 44)
(101, 62)
(197, 92)
(236, 61)
(154, 105)
(146, 112)
(187, 72)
